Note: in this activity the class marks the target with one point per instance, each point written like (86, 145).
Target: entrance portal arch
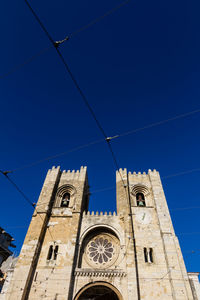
(98, 291)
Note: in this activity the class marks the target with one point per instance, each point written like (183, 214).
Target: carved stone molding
(99, 273)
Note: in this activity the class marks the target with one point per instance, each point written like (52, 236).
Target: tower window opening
(148, 255)
(65, 200)
(55, 252)
(49, 256)
(145, 255)
(140, 199)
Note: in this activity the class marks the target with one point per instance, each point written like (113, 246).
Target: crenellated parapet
(123, 174)
(66, 175)
(78, 175)
(97, 214)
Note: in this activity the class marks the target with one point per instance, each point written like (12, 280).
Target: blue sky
(138, 66)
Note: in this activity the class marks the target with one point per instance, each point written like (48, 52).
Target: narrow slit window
(140, 199)
(49, 256)
(150, 255)
(55, 252)
(65, 200)
(145, 255)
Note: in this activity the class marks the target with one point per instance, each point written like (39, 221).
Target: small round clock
(143, 217)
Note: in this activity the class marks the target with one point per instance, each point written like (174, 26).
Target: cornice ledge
(99, 273)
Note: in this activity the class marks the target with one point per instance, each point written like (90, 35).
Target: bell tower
(157, 267)
(70, 253)
(49, 252)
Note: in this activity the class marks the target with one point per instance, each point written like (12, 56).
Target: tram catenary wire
(151, 125)
(67, 37)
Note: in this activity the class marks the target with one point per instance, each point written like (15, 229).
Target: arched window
(65, 200)
(140, 199)
(53, 252)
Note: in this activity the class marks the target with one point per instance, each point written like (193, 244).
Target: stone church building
(70, 253)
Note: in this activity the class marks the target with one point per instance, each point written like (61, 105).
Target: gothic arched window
(140, 199)
(53, 252)
(65, 200)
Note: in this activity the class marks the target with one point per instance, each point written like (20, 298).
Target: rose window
(101, 250)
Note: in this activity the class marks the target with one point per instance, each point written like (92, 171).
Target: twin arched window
(53, 252)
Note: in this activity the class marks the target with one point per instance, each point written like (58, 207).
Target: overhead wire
(181, 173)
(27, 61)
(107, 139)
(67, 37)
(87, 104)
(17, 188)
(158, 123)
(56, 46)
(57, 155)
(25, 197)
(83, 96)
(111, 138)
(93, 22)
(185, 208)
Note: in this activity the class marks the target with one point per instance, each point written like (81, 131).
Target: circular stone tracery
(101, 250)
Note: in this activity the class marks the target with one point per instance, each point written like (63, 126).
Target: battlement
(74, 175)
(99, 214)
(82, 169)
(122, 173)
(68, 171)
(68, 174)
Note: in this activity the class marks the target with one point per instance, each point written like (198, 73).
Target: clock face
(143, 217)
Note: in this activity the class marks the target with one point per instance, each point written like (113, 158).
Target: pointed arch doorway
(98, 291)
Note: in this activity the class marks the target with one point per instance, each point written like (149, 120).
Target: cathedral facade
(70, 253)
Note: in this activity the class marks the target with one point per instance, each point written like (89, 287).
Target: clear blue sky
(138, 66)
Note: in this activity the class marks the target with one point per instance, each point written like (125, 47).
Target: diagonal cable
(58, 155)
(24, 196)
(74, 33)
(115, 161)
(81, 92)
(84, 98)
(158, 123)
(17, 188)
(56, 45)
(114, 137)
(93, 22)
(19, 66)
